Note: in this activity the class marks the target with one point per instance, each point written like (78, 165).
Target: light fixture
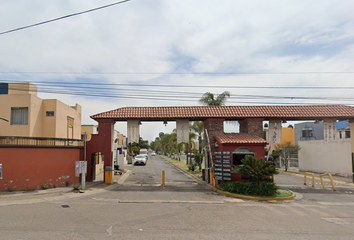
(140, 123)
(316, 121)
(165, 122)
(284, 121)
(216, 144)
(266, 125)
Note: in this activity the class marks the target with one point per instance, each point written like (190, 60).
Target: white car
(140, 160)
(153, 154)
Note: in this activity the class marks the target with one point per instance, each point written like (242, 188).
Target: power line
(182, 73)
(186, 86)
(183, 96)
(66, 16)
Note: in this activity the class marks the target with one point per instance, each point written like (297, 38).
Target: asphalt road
(185, 209)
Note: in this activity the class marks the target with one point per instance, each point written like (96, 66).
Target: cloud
(160, 42)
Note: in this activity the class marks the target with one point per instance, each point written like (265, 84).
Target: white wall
(326, 156)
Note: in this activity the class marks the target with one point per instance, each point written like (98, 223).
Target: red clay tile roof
(230, 112)
(232, 138)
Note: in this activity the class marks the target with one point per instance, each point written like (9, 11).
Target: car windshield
(140, 156)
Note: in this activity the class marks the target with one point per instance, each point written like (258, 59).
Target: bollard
(330, 178)
(163, 178)
(313, 178)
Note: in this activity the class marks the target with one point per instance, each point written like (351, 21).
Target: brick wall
(252, 126)
(31, 168)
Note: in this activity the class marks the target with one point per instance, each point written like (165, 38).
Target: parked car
(140, 160)
(153, 154)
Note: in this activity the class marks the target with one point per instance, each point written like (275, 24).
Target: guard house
(237, 146)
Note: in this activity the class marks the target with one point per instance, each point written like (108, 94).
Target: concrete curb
(301, 174)
(292, 197)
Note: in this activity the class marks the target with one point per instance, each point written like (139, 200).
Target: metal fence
(39, 141)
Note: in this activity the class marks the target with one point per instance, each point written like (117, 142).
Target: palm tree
(198, 127)
(208, 99)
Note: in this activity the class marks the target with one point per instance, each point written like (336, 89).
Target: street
(186, 208)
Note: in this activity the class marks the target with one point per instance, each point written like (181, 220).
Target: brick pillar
(214, 126)
(101, 142)
(252, 126)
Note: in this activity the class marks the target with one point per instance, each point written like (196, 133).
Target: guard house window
(19, 116)
(49, 113)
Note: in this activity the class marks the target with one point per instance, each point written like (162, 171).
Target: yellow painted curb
(237, 195)
(269, 199)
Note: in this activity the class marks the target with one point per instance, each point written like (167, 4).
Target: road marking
(167, 201)
(337, 203)
(110, 231)
(292, 209)
(124, 177)
(338, 221)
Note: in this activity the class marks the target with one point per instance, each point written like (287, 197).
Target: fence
(39, 141)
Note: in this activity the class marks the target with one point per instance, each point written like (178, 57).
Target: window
(49, 113)
(19, 116)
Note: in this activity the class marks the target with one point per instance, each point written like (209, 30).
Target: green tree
(257, 170)
(135, 149)
(198, 160)
(198, 128)
(285, 150)
(208, 99)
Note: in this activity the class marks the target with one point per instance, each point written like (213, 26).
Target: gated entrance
(250, 119)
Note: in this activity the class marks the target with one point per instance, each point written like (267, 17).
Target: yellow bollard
(313, 178)
(163, 178)
(330, 178)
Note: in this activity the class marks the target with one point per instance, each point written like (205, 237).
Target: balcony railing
(40, 141)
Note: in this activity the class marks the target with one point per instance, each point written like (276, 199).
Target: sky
(170, 52)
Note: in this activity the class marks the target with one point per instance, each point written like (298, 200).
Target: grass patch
(180, 164)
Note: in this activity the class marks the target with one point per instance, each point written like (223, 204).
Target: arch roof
(309, 112)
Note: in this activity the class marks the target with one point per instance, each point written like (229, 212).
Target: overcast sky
(188, 43)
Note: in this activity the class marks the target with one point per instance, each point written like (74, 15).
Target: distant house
(31, 116)
(39, 140)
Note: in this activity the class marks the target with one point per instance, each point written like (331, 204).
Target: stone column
(329, 129)
(274, 133)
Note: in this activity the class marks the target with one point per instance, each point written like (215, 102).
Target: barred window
(19, 116)
(49, 113)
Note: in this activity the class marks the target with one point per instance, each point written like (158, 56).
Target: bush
(76, 186)
(46, 185)
(251, 188)
(191, 167)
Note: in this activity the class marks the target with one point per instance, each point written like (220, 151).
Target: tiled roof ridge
(277, 111)
(232, 138)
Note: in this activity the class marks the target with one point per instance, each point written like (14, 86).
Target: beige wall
(39, 125)
(22, 88)
(326, 156)
(89, 130)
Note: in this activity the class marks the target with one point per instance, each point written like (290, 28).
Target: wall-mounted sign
(182, 130)
(133, 131)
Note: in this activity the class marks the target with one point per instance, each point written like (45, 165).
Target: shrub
(46, 185)
(257, 170)
(251, 188)
(76, 186)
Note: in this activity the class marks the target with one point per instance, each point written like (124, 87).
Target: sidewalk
(90, 186)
